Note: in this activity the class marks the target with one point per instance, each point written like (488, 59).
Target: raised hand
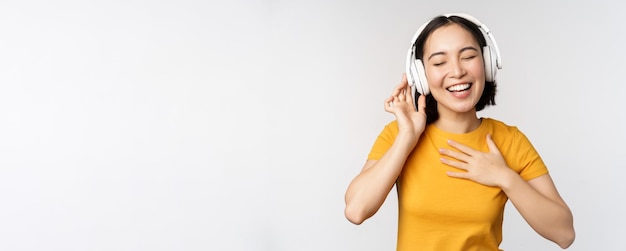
(487, 168)
(410, 122)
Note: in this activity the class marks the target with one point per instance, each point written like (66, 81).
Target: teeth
(456, 88)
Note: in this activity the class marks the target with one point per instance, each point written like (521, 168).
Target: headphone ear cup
(410, 69)
(422, 83)
(490, 64)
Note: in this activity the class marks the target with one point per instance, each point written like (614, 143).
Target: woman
(454, 171)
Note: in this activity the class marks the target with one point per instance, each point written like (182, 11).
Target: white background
(237, 125)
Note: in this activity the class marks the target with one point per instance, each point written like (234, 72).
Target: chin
(465, 109)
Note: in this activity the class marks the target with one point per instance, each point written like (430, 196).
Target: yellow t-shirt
(438, 212)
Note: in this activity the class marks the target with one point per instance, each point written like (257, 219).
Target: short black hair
(488, 96)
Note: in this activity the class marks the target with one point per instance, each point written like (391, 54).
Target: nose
(457, 69)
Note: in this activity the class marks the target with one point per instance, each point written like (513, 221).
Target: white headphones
(415, 72)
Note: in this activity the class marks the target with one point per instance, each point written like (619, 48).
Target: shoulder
(506, 135)
(389, 132)
(391, 127)
(500, 127)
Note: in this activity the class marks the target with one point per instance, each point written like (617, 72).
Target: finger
(454, 163)
(397, 90)
(402, 95)
(388, 104)
(400, 87)
(454, 154)
(421, 102)
(463, 148)
(492, 145)
(389, 99)
(404, 81)
(459, 175)
(409, 96)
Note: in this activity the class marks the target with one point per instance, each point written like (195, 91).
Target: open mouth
(459, 87)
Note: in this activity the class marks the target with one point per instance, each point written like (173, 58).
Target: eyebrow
(461, 50)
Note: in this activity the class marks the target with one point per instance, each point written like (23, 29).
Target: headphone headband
(472, 19)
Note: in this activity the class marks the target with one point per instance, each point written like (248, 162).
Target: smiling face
(455, 70)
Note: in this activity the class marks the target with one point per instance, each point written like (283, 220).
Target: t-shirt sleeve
(530, 163)
(384, 141)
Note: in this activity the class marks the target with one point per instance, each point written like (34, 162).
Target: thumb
(492, 145)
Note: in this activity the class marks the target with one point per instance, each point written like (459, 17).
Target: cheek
(434, 76)
(478, 70)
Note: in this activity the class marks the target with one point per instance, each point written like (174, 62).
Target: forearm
(367, 192)
(550, 217)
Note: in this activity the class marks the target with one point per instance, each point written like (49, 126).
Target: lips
(459, 87)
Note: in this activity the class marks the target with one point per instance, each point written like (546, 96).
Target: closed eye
(469, 57)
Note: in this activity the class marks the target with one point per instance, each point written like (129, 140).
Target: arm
(537, 200)
(369, 189)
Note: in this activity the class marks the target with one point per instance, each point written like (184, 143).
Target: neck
(458, 123)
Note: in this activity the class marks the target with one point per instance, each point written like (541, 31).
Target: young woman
(455, 171)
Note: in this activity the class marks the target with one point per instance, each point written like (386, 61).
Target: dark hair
(489, 93)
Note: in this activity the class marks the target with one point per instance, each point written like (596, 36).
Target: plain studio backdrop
(238, 125)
